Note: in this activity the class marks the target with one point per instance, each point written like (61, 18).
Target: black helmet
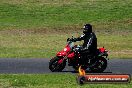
(87, 28)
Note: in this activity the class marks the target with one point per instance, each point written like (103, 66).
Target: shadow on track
(77, 72)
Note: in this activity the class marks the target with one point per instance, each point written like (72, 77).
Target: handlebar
(70, 39)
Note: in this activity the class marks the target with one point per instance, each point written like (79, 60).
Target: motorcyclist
(89, 46)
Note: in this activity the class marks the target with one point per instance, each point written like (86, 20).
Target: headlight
(65, 49)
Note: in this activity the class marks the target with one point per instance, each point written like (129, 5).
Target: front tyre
(54, 66)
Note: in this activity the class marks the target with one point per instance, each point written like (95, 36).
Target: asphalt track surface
(40, 66)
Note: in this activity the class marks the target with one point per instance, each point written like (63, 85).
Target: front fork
(63, 58)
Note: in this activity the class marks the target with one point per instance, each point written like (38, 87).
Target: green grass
(49, 81)
(39, 28)
(32, 44)
(52, 13)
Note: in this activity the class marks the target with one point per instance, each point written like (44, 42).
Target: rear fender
(103, 54)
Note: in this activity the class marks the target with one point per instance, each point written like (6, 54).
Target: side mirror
(68, 39)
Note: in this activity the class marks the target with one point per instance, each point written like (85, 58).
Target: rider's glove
(77, 49)
(71, 39)
(81, 49)
(68, 39)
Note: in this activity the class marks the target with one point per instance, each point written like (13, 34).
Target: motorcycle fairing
(61, 54)
(71, 55)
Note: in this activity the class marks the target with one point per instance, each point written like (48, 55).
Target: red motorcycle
(98, 64)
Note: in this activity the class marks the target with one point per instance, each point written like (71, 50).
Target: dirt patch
(127, 52)
(63, 30)
(67, 30)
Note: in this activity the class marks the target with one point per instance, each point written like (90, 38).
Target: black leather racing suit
(89, 45)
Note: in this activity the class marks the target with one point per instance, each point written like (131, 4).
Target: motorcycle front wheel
(54, 66)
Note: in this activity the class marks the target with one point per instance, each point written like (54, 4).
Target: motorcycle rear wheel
(100, 66)
(54, 66)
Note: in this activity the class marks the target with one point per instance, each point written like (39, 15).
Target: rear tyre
(54, 66)
(100, 66)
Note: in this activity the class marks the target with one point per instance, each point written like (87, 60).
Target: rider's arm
(79, 38)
